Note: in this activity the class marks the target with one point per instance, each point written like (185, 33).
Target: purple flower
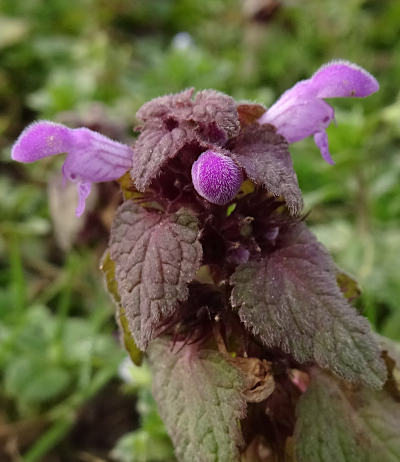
(216, 177)
(301, 110)
(91, 157)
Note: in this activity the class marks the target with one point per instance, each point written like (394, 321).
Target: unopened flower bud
(216, 177)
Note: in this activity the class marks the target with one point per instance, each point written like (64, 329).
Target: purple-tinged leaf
(156, 257)
(154, 147)
(178, 106)
(340, 423)
(265, 158)
(199, 395)
(174, 121)
(291, 300)
(216, 113)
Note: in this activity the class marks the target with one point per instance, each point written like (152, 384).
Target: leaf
(127, 338)
(265, 157)
(348, 285)
(156, 256)
(108, 267)
(149, 443)
(346, 424)
(178, 106)
(291, 300)
(216, 108)
(173, 121)
(154, 147)
(199, 398)
(32, 379)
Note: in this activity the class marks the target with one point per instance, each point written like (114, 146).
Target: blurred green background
(66, 391)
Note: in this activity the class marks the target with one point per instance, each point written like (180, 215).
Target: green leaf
(154, 147)
(291, 300)
(156, 257)
(108, 267)
(31, 380)
(340, 423)
(200, 400)
(142, 446)
(348, 285)
(129, 342)
(150, 443)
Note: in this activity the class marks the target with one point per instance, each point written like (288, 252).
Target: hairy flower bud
(216, 177)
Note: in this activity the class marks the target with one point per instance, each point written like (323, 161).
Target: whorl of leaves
(173, 121)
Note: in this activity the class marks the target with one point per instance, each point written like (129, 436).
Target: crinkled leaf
(218, 110)
(264, 156)
(176, 106)
(291, 300)
(199, 398)
(173, 121)
(156, 257)
(154, 147)
(346, 424)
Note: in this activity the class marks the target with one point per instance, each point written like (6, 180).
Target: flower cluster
(91, 157)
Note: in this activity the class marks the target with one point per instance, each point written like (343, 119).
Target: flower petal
(91, 157)
(216, 177)
(301, 111)
(94, 157)
(341, 79)
(41, 139)
(299, 92)
(300, 118)
(321, 140)
(83, 191)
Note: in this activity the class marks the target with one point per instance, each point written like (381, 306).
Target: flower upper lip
(91, 157)
(301, 110)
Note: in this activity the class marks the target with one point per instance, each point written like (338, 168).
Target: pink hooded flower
(91, 157)
(301, 111)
